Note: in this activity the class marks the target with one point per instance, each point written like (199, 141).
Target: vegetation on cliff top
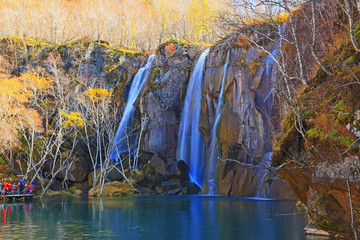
(133, 24)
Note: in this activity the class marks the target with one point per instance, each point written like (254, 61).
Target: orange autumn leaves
(15, 112)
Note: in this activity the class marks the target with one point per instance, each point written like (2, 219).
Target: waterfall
(213, 156)
(265, 102)
(190, 142)
(122, 141)
(263, 189)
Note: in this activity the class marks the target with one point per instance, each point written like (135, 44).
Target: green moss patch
(330, 225)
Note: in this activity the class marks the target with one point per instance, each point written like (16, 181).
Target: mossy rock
(330, 225)
(115, 49)
(161, 46)
(114, 189)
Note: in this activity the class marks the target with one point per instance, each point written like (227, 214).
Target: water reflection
(195, 217)
(12, 208)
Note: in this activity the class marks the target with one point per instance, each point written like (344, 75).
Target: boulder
(191, 188)
(76, 172)
(172, 168)
(158, 165)
(310, 229)
(173, 191)
(171, 184)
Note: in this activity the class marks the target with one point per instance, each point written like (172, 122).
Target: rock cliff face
(323, 161)
(248, 114)
(164, 95)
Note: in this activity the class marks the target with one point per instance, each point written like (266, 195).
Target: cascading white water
(265, 165)
(122, 141)
(190, 142)
(265, 101)
(213, 155)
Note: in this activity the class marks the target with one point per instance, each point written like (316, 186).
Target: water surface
(187, 217)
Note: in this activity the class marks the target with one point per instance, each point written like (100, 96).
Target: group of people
(10, 188)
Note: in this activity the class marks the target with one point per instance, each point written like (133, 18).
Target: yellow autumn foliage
(98, 94)
(133, 24)
(201, 15)
(35, 81)
(72, 119)
(13, 92)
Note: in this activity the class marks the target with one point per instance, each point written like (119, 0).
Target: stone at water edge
(312, 230)
(175, 191)
(171, 184)
(78, 192)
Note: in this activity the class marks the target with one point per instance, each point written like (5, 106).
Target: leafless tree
(52, 158)
(349, 10)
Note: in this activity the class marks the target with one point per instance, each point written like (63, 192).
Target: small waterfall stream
(122, 141)
(213, 155)
(191, 147)
(265, 101)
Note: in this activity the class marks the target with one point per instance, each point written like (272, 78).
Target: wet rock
(169, 176)
(210, 188)
(158, 165)
(171, 184)
(184, 169)
(173, 191)
(144, 190)
(191, 188)
(172, 168)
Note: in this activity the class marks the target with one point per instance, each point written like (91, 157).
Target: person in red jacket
(10, 187)
(27, 187)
